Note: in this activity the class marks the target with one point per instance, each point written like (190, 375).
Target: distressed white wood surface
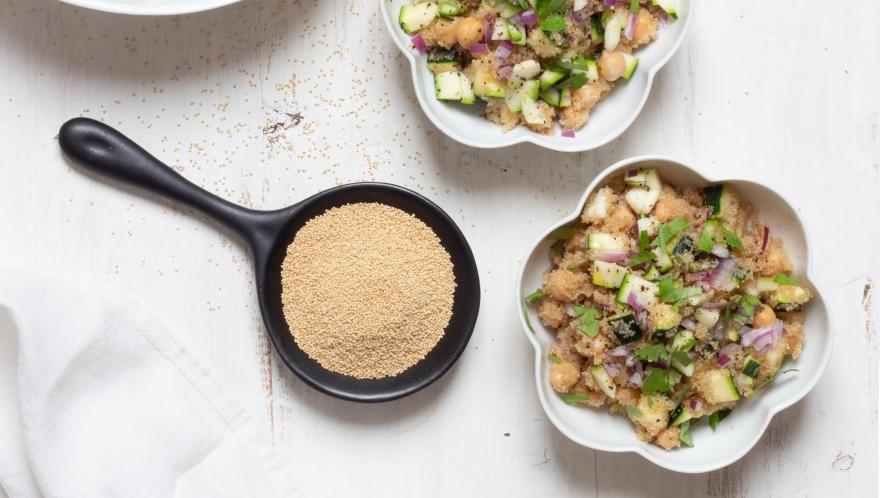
(771, 91)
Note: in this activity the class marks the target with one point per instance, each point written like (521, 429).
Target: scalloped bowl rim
(163, 9)
(640, 447)
(572, 145)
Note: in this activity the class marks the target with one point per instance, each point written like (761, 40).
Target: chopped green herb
(577, 80)
(683, 358)
(717, 417)
(652, 353)
(546, 8)
(558, 248)
(642, 258)
(578, 62)
(534, 297)
(634, 411)
(657, 382)
(748, 303)
(668, 231)
(634, 6)
(554, 358)
(589, 324)
(644, 243)
(528, 321)
(561, 233)
(707, 237)
(785, 280)
(684, 434)
(732, 240)
(553, 23)
(670, 293)
(575, 398)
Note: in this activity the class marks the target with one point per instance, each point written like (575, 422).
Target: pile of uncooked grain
(367, 290)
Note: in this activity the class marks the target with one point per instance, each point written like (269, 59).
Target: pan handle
(103, 150)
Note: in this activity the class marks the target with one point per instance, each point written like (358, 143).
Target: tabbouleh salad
(533, 61)
(670, 305)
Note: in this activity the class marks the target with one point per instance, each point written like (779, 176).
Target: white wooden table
(764, 90)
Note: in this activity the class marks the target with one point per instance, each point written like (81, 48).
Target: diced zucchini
(612, 32)
(468, 97)
(663, 261)
(447, 85)
(683, 341)
(635, 178)
(680, 416)
(526, 69)
(709, 236)
(717, 386)
(451, 8)
(707, 317)
(485, 85)
(591, 72)
(683, 244)
(645, 291)
(652, 273)
(416, 16)
(442, 67)
(532, 112)
(719, 198)
(579, 4)
(597, 31)
(604, 380)
(686, 366)
(608, 275)
(788, 297)
(751, 367)
(605, 242)
(766, 284)
(642, 200)
(501, 30)
(550, 77)
(665, 317)
(517, 34)
(625, 328)
(506, 9)
(557, 98)
(648, 224)
(670, 6)
(632, 62)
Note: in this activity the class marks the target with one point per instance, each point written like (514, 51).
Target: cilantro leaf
(561, 233)
(534, 297)
(785, 280)
(684, 434)
(652, 353)
(732, 240)
(553, 23)
(669, 230)
(589, 324)
(577, 80)
(670, 293)
(683, 358)
(578, 62)
(657, 382)
(643, 241)
(575, 398)
(554, 358)
(748, 303)
(634, 411)
(546, 8)
(642, 258)
(634, 6)
(717, 417)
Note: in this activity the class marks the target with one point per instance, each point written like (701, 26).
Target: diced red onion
(504, 72)
(749, 337)
(505, 48)
(631, 173)
(722, 360)
(722, 274)
(479, 47)
(661, 363)
(529, 17)
(611, 3)
(568, 133)
(718, 329)
(765, 239)
(633, 300)
(419, 43)
(636, 379)
(729, 349)
(611, 256)
(515, 19)
(688, 323)
(721, 251)
(695, 404)
(618, 351)
(580, 16)
(612, 368)
(488, 24)
(630, 26)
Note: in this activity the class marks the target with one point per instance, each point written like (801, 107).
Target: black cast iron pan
(103, 150)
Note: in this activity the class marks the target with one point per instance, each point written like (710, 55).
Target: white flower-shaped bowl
(738, 433)
(609, 119)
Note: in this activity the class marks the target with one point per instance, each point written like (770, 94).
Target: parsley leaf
(643, 241)
(668, 231)
(577, 80)
(534, 297)
(561, 233)
(748, 303)
(670, 293)
(554, 358)
(717, 417)
(634, 6)
(553, 23)
(652, 353)
(589, 324)
(546, 8)
(785, 280)
(657, 382)
(732, 240)
(684, 434)
(578, 62)
(634, 411)
(642, 258)
(574, 398)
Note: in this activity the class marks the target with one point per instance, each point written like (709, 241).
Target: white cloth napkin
(98, 399)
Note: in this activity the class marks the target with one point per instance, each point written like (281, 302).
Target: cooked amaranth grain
(367, 290)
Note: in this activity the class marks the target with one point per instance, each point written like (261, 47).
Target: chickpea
(563, 376)
(764, 318)
(645, 28)
(612, 65)
(469, 31)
